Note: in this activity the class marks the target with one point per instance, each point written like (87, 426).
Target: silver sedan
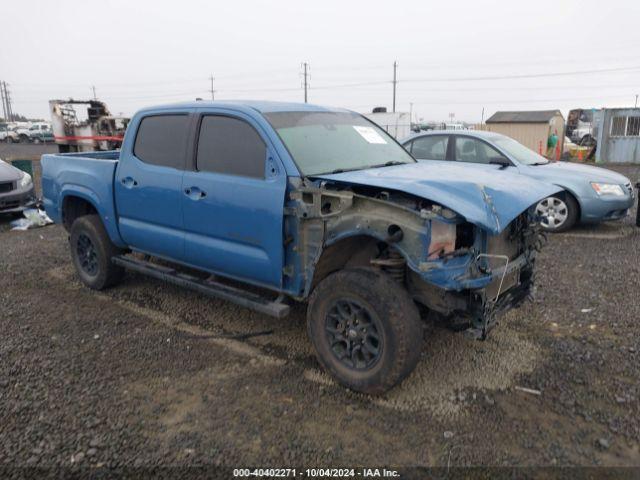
(16, 189)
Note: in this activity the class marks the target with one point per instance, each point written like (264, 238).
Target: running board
(210, 288)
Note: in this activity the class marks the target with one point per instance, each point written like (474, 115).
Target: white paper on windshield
(369, 134)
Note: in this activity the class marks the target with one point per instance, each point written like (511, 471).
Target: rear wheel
(365, 328)
(557, 213)
(92, 251)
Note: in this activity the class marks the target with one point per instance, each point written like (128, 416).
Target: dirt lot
(133, 376)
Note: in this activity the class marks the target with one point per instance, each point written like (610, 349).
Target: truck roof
(261, 106)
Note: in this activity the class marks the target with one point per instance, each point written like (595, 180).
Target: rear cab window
(162, 139)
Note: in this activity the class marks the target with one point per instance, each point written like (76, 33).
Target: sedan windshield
(521, 153)
(332, 142)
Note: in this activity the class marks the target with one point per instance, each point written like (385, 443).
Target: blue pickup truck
(308, 204)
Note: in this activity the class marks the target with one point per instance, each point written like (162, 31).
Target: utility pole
(636, 106)
(4, 105)
(305, 76)
(7, 102)
(212, 90)
(93, 87)
(410, 114)
(395, 82)
(482, 117)
(8, 94)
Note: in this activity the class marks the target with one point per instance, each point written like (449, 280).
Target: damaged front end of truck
(468, 264)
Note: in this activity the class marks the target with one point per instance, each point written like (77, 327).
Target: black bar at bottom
(211, 289)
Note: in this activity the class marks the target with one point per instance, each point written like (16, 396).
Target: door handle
(194, 193)
(129, 182)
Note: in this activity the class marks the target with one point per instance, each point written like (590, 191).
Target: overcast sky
(454, 57)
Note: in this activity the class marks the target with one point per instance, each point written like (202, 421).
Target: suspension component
(394, 265)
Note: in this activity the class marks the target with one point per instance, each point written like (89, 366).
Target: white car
(22, 133)
(7, 135)
(40, 132)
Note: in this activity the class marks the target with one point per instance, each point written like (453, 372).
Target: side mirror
(503, 162)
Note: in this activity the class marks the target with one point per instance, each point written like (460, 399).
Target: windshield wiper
(343, 170)
(538, 163)
(388, 164)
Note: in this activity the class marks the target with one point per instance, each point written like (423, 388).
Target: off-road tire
(106, 272)
(402, 329)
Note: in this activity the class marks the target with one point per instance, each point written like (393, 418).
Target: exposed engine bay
(452, 267)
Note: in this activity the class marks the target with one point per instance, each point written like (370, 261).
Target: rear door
(148, 185)
(233, 199)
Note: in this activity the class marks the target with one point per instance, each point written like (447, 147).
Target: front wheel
(92, 251)
(365, 328)
(558, 213)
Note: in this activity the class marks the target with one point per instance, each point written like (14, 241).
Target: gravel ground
(131, 376)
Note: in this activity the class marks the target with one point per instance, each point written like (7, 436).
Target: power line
(372, 83)
(528, 100)
(136, 97)
(523, 75)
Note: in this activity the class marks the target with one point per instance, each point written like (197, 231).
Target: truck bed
(87, 175)
(109, 155)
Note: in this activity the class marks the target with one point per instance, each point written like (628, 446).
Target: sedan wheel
(557, 214)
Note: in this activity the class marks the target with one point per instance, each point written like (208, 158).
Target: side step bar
(212, 289)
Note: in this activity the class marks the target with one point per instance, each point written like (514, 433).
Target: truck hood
(487, 197)
(9, 173)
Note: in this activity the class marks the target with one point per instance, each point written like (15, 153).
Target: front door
(233, 200)
(148, 186)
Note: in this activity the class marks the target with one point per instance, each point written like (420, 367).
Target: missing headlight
(443, 239)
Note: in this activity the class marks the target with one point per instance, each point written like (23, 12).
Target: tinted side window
(161, 140)
(430, 147)
(475, 151)
(231, 146)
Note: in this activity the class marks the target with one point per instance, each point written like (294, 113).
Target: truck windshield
(332, 142)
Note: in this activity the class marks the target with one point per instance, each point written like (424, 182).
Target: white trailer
(397, 124)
